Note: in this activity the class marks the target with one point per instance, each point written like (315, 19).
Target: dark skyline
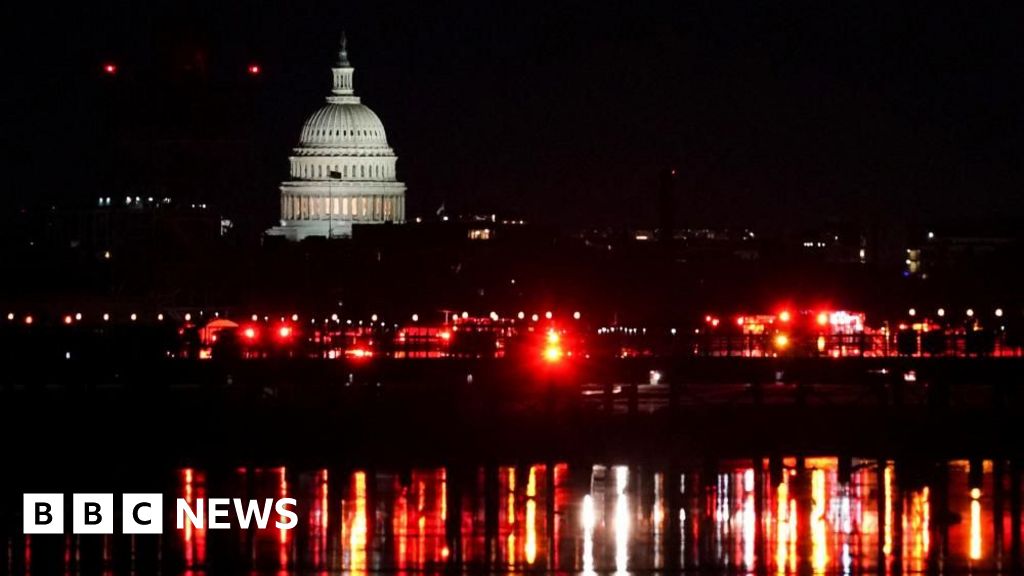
(774, 115)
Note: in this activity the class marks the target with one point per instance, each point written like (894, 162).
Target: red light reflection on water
(608, 518)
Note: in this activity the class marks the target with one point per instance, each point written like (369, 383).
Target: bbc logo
(92, 513)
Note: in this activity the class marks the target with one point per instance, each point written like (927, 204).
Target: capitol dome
(342, 172)
(343, 126)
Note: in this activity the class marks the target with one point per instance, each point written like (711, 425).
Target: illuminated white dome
(347, 125)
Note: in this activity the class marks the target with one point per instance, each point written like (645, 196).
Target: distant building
(343, 171)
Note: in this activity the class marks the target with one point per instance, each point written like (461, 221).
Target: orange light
(553, 338)
(553, 353)
(784, 316)
(781, 341)
(822, 318)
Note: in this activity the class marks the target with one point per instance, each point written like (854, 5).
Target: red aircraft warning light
(110, 68)
(254, 69)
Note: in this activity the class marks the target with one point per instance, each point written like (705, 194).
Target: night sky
(776, 114)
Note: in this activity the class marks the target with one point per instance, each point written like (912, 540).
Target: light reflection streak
(530, 545)
(401, 528)
(621, 520)
(917, 521)
(887, 548)
(785, 530)
(588, 520)
(358, 532)
(845, 527)
(975, 546)
(749, 519)
(195, 538)
(658, 518)
(819, 528)
(510, 516)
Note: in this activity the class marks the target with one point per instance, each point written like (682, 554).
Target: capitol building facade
(342, 172)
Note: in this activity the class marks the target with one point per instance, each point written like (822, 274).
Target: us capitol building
(342, 172)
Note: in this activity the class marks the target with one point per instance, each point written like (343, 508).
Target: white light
(534, 317)
(587, 513)
(942, 312)
(295, 317)
(78, 316)
(576, 315)
(494, 316)
(373, 318)
(912, 312)
(521, 315)
(67, 355)
(931, 235)
(970, 312)
(999, 312)
(465, 315)
(188, 317)
(673, 331)
(334, 317)
(106, 317)
(255, 317)
(548, 315)
(10, 315)
(160, 317)
(415, 317)
(134, 317)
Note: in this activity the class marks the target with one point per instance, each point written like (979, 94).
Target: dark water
(581, 519)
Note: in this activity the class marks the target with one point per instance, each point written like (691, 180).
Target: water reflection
(784, 516)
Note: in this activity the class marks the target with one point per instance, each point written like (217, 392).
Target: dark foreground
(762, 466)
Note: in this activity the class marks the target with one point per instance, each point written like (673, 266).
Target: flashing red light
(110, 68)
(250, 333)
(739, 321)
(446, 335)
(714, 322)
(358, 353)
(284, 332)
(822, 319)
(784, 316)
(254, 69)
